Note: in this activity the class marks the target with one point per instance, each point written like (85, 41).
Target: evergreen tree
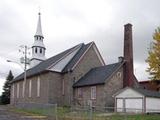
(154, 57)
(5, 98)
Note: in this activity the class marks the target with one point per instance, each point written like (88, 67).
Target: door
(119, 105)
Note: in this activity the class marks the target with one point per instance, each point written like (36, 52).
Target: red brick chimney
(128, 56)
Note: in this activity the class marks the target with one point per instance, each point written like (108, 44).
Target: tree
(154, 57)
(5, 98)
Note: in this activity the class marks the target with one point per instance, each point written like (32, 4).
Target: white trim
(93, 92)
(17, 90)
(30, 88)
(38, 86)
(98, 54)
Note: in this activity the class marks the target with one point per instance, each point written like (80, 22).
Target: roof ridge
(107, 65)
(42, 66)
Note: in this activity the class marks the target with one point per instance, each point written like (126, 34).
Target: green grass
(44, 112)
(63, 113)
(134, 117)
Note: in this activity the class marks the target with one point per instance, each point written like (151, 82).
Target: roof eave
(77, 86)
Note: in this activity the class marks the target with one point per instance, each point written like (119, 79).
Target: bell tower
(38, 48)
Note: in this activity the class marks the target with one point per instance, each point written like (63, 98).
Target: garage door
(119, 105)
(133, 105)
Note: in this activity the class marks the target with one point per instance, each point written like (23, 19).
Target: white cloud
(67, 23)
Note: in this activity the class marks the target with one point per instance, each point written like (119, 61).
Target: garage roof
(144, 92)
(148, 93)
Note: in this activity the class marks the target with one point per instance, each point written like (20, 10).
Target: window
(36, 50)
(17, 90)
(40, 50)
(30, 87)
(80, 93)
(38, 87)
(93, 92)
(119, 74)
(63, 87)
(13, 91)
(23, 89)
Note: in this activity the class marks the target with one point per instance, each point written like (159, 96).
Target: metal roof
(45, 65)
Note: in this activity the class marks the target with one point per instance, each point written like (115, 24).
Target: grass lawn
(65, 114)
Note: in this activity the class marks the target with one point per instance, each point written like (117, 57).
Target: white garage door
(119, 105)
(133, 105)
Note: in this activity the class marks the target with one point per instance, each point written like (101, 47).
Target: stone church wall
(44, 88)
(90, 60)
(103, 92)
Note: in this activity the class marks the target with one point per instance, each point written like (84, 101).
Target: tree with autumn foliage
(154, 57)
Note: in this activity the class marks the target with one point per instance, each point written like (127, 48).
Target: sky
(66, 23)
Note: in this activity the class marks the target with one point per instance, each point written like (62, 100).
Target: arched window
(36, 50)
(40, 50)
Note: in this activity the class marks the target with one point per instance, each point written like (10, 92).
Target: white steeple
(38, 48)
(39, 28)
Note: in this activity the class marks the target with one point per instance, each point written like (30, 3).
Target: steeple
(38, 48)
(39, 28)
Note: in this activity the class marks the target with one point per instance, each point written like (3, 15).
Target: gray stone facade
(54, 87)
(103, 92)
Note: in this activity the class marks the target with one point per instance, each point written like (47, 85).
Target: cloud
(67, 23)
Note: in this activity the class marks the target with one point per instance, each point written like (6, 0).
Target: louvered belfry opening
(128, 56)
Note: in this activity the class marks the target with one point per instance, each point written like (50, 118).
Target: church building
(76, 76)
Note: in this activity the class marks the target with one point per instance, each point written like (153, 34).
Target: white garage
(136, 100)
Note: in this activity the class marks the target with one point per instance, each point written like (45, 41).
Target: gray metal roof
(43, 66)
(98, 75)
(147, 93)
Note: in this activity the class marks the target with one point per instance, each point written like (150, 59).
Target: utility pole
(26, 61)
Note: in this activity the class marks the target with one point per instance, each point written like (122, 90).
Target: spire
(39, 28)
(38, 47)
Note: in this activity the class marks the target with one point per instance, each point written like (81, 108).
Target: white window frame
(30, 88)
(93, 92)
(38, 86)
(17, 90)
(23, 88)
(13, 91)
(80, 93)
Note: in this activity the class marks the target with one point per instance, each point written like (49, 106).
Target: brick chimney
(128, 56)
